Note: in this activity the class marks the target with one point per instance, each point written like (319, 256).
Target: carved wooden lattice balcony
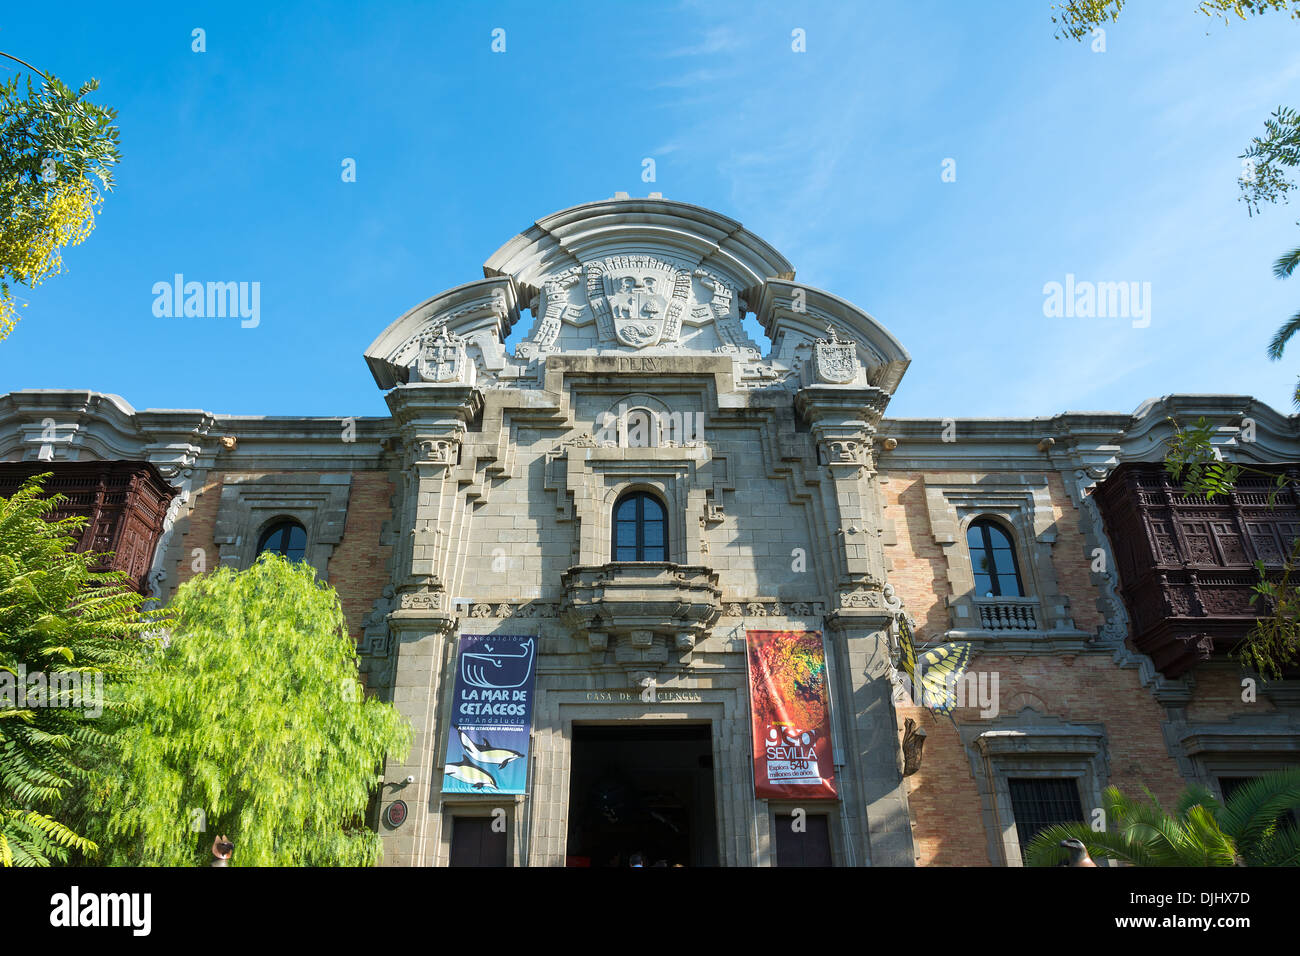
(125, 501)
(1186, 564)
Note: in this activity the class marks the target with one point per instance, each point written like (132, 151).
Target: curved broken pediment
(647, 276)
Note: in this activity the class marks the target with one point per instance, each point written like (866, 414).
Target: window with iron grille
(1038, 802)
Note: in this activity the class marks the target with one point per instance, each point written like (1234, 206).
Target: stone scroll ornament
(835, 361)
(556, 294)
(637, 300)
(720, 307)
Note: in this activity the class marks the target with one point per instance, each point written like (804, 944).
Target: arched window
(286, 537)
(993, 559)
(640, 528)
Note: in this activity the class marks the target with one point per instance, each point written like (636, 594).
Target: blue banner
(491, 715)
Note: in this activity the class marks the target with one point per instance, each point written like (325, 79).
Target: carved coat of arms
(442, 356)
(637, 300)
(835, 361)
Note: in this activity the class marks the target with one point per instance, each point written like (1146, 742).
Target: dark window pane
(993, 559)
(1038, 802)
(1229, 785)
(640, 529)
(285, 537)
(997, 537)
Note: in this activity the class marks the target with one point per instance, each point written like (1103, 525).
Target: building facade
(638, 485)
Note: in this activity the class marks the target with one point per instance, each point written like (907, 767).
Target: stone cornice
(425, 402)
(659, 226)
(1094, 440)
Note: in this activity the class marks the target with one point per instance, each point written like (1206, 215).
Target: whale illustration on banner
(501, 669)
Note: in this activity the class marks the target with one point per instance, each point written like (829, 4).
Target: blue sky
(1111, 166)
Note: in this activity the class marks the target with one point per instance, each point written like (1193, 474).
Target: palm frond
(1286, 264)
(1282, 336)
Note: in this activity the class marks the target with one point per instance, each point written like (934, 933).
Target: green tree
(69, 635)
(1251, 829)
(250, 723)
(57, 150)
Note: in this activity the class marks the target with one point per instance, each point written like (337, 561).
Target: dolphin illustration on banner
(471, 774)
(485, 753)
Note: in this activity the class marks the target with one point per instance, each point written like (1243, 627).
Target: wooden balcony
(126, 502)
(1187, 565)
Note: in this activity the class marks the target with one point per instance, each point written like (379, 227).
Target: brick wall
(358, 568)
(198, 529)
(1216, 695)
(946, 806)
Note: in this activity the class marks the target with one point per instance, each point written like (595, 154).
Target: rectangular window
(1039, 802)
(474, 843)
(809, 847)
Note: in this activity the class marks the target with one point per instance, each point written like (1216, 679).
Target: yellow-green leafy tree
(250, 724)
(57, 151)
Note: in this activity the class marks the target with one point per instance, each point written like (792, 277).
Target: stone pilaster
(843, 420)
(872, 790)
(431, 420)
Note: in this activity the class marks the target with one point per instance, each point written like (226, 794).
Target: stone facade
(483, 504)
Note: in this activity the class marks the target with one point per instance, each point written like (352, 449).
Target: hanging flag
(790, 706)
(491, 715)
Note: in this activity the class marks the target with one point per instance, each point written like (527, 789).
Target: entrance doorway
(642, 788)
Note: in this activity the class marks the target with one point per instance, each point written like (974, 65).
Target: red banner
(790, 702)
